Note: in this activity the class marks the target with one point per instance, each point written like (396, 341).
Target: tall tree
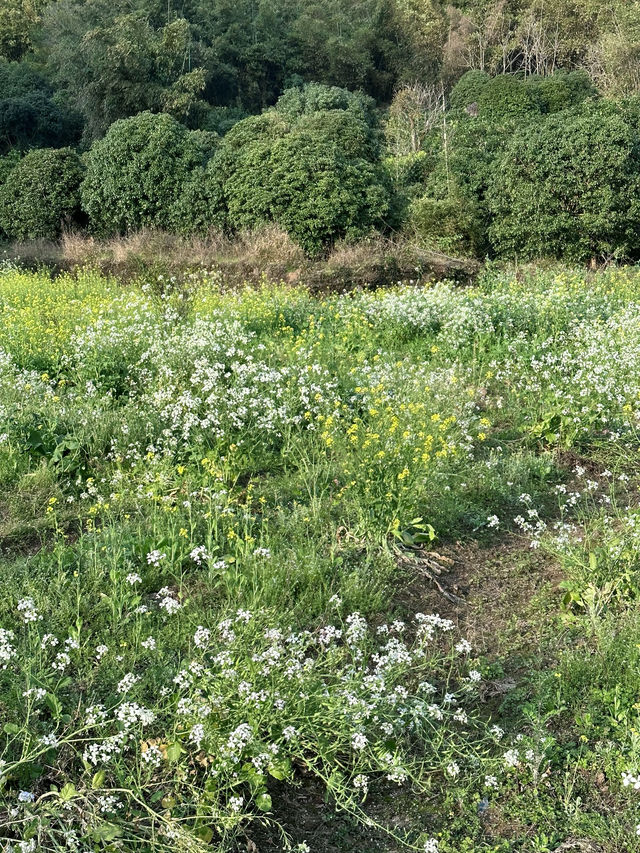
(112, 62)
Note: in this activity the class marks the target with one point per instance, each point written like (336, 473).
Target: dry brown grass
(266, 252)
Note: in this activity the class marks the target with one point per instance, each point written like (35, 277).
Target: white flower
(463, 646)
(196, 735)
(201, 637)
(262, 552)
(26, 797)
(61, 662)
(490, 782)
(7, 650)
(27, 610)
(431, 846)
(154, 557)
(36, 693)
(152, 755)
(133, 578)
(511, 758)
(289, 732)
(359, 741)
(493, 521)
(361, 783)
(101, 651)
(200, 554)
(235, 804)
(149, 643)
(453, 769)
(126, 682)
(474, 675)
(169, 603)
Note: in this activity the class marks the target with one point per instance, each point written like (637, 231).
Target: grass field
(349, 573)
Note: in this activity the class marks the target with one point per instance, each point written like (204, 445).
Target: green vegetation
(306, 566)
(136, 174)
(220, 515)
(444, 125)
(41, 194)
(569, 187)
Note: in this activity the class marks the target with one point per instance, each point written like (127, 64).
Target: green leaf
(54, 705)
(98, 779)
(68, 792)
(11, 729)
(106, 832)
(174, 751)
(281, 770)
(204, 833)
(263, 802)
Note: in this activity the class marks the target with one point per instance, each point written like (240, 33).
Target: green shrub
(200, 204)
(569, 187)
(137, 172)
(318, 194)
(448, 225)
(314, 176)
(465, 170)
(507, 97)
(468, 89)
(7, 163)
(220, 120)
(562, 90)
(354, 136)
(316, 97)
(410, 172)
(40, 195)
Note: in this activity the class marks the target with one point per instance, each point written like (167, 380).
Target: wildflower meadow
(370, 557)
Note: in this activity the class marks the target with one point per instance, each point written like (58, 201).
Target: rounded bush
(40, 196)
(307, 176)
(562, 90)
(507, 97)
(137, 173)
(319, 194)
(316, 97)
(468, 89)
(200, 205)
(569, 186)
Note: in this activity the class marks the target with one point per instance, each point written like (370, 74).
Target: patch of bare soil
(494, 594)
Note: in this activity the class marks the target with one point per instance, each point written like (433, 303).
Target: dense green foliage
(335, 118)
(41, 194)
(136, 174)
(308, 165)
(570, 187)
(30, 117)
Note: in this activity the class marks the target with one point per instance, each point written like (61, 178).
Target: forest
(504, 129)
